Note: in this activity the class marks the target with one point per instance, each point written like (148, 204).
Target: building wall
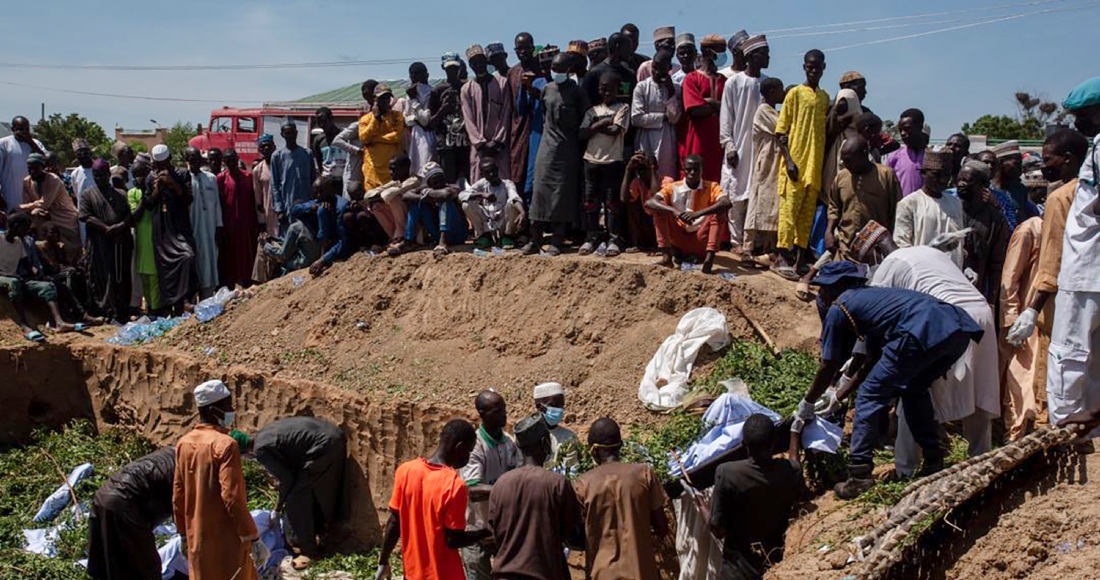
(146, 138)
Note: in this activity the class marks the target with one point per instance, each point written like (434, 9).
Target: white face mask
(228, 418)
(559, 77)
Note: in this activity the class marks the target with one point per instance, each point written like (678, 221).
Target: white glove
(260, 554)
(805, 410)
(946, 242)
(971, 275)
(1022, 328)
(383, 572)
(827, 404)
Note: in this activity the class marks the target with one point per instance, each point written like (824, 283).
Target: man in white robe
(654, 112)
(929, 212)
(14, 150)
(418, 117)
(206, 220)
(740, 99)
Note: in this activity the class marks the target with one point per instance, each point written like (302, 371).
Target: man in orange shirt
(428, 510)
(684, 216)
(208, 495)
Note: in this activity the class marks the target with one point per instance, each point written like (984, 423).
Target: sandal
(613, 250)
(586, 249)
(803, 291)
(553, 251)
(787, 273)
(35, 337)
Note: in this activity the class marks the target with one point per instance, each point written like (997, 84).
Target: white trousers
(977, 429)
(737, 223)
(485, 220)
(1073, 363)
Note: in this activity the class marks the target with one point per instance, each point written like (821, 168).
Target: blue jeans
(905, 371)
(445, 219)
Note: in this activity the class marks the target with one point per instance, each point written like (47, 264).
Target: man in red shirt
(428, 510)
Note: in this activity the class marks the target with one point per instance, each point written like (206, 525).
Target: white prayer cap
(160, 152)
(548, 390)
(210, 392)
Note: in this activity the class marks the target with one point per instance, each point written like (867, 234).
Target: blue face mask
(720, 59)
(228, 419)
(553, 415)
(492, 69)
(559, 77)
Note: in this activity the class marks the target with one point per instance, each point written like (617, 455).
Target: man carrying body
(307, 458)
(493, 206)
(1064, 153)
(684, 215)
(908, 161)
(624, 515)
(14, 150)
(206, 222)
(532, 512)
(292, 175)
(209, 500)
(494, 454)
(428, 510)
(740, 99)
(753, 499)
(911, 340)
(654, 113)
(927, 212)
(801, 131)
(863, 191)
(1073, 366)
(125, 510)
(487, 111)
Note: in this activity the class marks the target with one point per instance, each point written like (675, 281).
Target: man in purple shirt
(907, 161)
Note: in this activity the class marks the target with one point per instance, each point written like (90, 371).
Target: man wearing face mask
(209, 500)
(550, 401)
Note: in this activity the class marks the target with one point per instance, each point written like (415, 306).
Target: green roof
(350, 95)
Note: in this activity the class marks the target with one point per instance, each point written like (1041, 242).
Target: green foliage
(177, 139)
(57, 133)
(1004, 127)
(360, 566)
(30, 473)
(778, 383)
(647, 444)
(262, 493)
(138, 147)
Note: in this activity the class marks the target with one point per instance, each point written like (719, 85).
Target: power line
(136, 97)
(816, 31)
(1091, 4)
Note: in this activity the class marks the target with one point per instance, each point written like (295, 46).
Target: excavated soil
(1039, 521)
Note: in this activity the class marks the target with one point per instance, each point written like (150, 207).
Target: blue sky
(954, 76)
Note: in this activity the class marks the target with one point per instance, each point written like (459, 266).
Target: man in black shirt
(752, 501)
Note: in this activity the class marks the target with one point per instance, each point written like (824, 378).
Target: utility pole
(43, 116)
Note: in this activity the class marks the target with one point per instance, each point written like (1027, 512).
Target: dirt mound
(438, 331)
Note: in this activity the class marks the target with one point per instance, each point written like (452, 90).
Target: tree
(57, 134)
(138, 147)
(1033, 115)
(177, 139)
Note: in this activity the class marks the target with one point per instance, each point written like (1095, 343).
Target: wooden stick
(759, 330)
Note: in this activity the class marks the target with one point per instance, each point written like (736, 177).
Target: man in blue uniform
(909, 338)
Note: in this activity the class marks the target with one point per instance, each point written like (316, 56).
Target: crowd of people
(934, 268)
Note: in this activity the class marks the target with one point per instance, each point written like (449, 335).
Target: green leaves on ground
(777, 382)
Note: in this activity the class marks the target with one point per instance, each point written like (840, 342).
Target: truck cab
(239, 128)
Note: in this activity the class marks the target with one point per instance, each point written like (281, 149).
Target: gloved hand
(260, 554)
(797, 424)
(971, 275)
(383, 572)
(827, 404)
(805, 410)
(1022, 328)
(946, 242)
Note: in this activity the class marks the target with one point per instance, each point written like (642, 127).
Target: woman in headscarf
(109, 247)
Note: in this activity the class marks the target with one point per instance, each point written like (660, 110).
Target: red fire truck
(239, 128)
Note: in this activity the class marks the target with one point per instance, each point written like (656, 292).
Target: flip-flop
(586, 249)
(613, 250)
(787, 273)
(79, 327)
(35, 337)
(802, 291)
